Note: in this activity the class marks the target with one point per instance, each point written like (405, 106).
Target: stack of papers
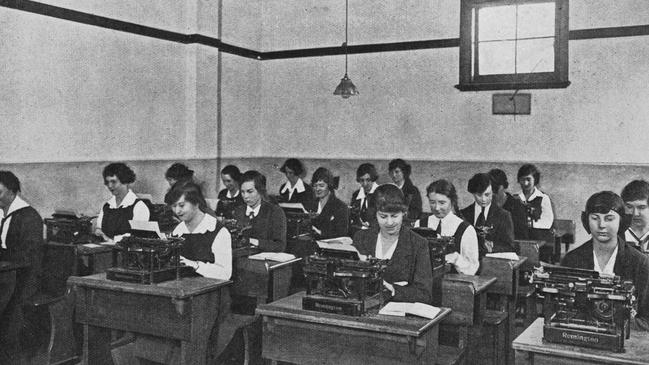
(418, 309)
(293, 206)
(504, 255)
(272, 256)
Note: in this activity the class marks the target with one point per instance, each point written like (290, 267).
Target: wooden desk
(299, 336)
(90, 259)
(507, 273)
(531, 349)
(264, 280)
(181, 311)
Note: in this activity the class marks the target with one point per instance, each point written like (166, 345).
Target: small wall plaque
(518, 103)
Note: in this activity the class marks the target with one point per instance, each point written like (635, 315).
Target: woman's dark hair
(192, 193)
(10, 181)
(479, 183)
(295, 165)
(366, 168)
(401, 164)
(179, 172)
(529, 169)
(636, 190)
(389, 199)
(324, 175)
(233, 172)
(124, 173)
(445, 188)
(499, 178)
(603, 202)
(258, 180)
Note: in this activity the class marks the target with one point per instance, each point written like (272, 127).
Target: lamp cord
(346, 23)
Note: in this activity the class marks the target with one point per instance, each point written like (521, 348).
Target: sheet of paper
(91, 245)
(336, 245)
(293, 206)
(146, 226)
(339, 240)
(402, 308)
(145, 196)
(272, 256)
(504, 255)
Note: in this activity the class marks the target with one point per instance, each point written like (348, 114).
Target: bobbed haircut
(295, 165)
(10, 181)
(179, 172)
(401, 164)
(636, 190)
(257, 178)
(603, 202)
(499, 178)
(529, 169)
(366, 168)
(445, 188)
(323, 174)
(192, 193)
(124, 174)
(479, 183)
(389, 199)
(233, 172)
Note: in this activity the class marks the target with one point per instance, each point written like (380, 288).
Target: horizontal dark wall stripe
(142, 30)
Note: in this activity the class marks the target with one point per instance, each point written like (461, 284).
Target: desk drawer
(155, 315)
(309, 343)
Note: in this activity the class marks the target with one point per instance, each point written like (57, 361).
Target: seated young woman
(178, 173)
(362, 203)
(267, 220)
(400, 174)
(408, 277)
(539, 214)
(442, 197)
(333, 215)
(607, 252)
(208, 245)
(295, 190)
(112, 222)
(230, 197)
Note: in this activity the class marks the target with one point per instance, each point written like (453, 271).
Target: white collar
(299, 187)
(478, 209)
(610, 265)
(378, 252)
(536, 193)
(254, 211)
(449, 223)
(361, 191)
(230, 196)
(18, 203)
(208, 223)
(129, 199)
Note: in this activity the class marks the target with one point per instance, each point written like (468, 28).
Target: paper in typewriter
(293, 206)
(339, 243)
(148, 226)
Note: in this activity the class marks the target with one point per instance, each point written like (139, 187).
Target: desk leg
(524, 357)
(96, 346)
(195, 351)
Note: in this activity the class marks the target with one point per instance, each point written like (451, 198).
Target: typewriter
(240, 240)
(298, 220)
(69, 227)
(147, 260)
(343, 286)
(583, 308)
(439, 245)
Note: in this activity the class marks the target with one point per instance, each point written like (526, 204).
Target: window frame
(534, 80)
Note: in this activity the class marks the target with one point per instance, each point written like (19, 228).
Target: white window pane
(497, 58)
(536, 20)
(497, 23)
(535, 55)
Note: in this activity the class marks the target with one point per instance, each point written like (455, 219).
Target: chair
(564, 232)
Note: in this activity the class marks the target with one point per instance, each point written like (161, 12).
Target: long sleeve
(504, 237)
(420, 288)
(340, 224)
(547, 215)
(140, 212)
(221, 268)
(276, 226)
(466, 262)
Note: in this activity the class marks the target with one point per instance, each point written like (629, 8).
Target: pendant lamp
(346, 87)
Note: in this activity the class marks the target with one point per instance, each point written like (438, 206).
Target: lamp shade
(346, 88)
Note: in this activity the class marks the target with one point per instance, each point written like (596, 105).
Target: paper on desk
(341, 244)
(108, 243)
(293, 206)
(272, 256)
(417, 309)
(91, 245)
(504, 255)
(146, 226)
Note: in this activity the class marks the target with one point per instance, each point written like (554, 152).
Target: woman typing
(230, 197)
(333, 215)
(408, 277)
(112, 222)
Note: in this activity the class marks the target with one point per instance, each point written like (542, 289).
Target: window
(514, 44)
